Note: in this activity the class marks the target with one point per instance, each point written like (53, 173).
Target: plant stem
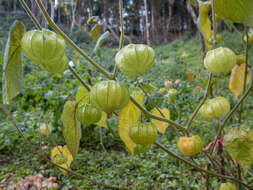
(45, 158)
(239, 176)
(201, 103)
(199, 168)
(121, 24)
(146, 94)
(29, 12)
(145, 111)
(235, 107)
(121, 36)
(214, 24)
(78, 77)
(207, 179)
(156, 107)
(78, 49)
(245, 72)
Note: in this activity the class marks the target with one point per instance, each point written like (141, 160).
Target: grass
(153, 170)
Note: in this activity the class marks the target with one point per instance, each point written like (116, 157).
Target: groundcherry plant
(47, 49)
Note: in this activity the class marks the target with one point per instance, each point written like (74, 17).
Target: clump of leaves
(239, 144)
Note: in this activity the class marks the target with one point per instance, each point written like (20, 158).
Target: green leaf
(147, 87)
(127, 117)
(12, 67)
(239, 11)
(71, 127)
(100, 42)
(95, 31)
(82, 93)
(239, 144)
(228, 23)
(102, 122)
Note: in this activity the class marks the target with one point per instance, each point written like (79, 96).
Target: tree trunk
(52, 9)
(73, 11)
(171, 4)
(154, 19)
(78, 16)
(15, 5)
(146, 23)
(192, 13)
(106, 11)
(43, 20)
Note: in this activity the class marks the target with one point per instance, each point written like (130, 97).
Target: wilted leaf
(100, 42)
(127, 117)
(102, 122)
(71, 127)
(12, 67)
(204, 22)
(64, 154)
(237, 79)
(161, 125)
(239, 144)
(239, 11)
(82, 93)
(95, 31)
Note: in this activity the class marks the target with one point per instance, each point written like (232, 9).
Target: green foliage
(239, 143)
(71, 127)
(243, 8)
(47, 93)
(12, 68)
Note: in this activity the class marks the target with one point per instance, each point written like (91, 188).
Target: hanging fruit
(190, 146)
(143, 133)
(139, 149)
(46, 49)
(135, 59)
(109, 96)
(45, 129)
(87, 114)
(220, 60)
(215, 108)
(227, 186)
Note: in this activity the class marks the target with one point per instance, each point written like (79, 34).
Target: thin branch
(201, 103)
(122, 24)
(214, 24)
(29, 12)
(78, 49)
(45, 158)
(101, 139)
(235, 107)
(197, 167)
(78, 78)
(156, 107)
(246, 45)
(146, 94)
(121, 36)
(145, 111)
